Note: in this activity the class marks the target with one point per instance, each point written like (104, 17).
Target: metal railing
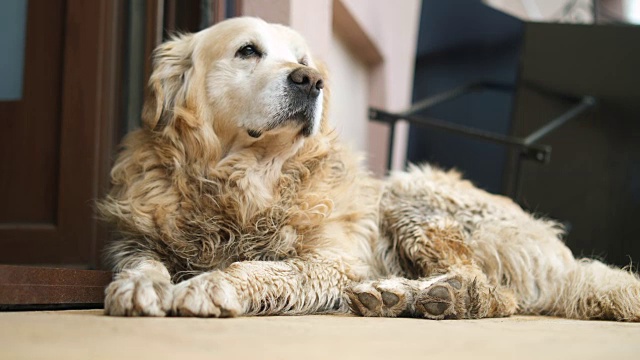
(528, 146)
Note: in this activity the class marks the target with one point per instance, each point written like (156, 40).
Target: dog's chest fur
(248, 210)
(198, 219)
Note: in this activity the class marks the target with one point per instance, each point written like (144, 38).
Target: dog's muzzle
(302, 91)
(304, 87)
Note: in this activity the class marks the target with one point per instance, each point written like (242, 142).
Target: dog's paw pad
(370, 301)
(455, 283)
(363, 299)
(440, 292)
(438, 300)
(436, 308)
(390, 299)
(386, 298)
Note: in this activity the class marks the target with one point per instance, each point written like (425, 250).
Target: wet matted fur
(236, 198)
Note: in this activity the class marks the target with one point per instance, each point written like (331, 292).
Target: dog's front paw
(206, 295)
(135, 294)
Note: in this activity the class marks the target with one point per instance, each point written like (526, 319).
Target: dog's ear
(167, 89)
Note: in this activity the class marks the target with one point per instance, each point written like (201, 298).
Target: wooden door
(80, 94)
(56, 137)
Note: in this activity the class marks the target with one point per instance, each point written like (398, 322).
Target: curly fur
(212, 222)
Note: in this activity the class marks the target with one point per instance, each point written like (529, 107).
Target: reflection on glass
(13, 20)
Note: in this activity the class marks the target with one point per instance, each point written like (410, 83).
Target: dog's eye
(303, 61)
(248, 51)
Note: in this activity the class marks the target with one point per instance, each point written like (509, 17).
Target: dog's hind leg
(593, 290)
(529, 257)
(449, 284)
(461, 293)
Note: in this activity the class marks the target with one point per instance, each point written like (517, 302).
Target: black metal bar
(496, 86)
(584, 105)
(528, 149)
(452, 94)
(551, 93)
(540, 153)
(439, 98)
(392, 134)
(433, 101)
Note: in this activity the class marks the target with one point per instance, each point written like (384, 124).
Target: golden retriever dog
(236, 198)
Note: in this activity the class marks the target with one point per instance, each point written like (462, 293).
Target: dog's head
(243, 77)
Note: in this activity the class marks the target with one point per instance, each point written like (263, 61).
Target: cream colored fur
(235, 199)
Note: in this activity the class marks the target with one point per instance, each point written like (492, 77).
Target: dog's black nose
(307, 80)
